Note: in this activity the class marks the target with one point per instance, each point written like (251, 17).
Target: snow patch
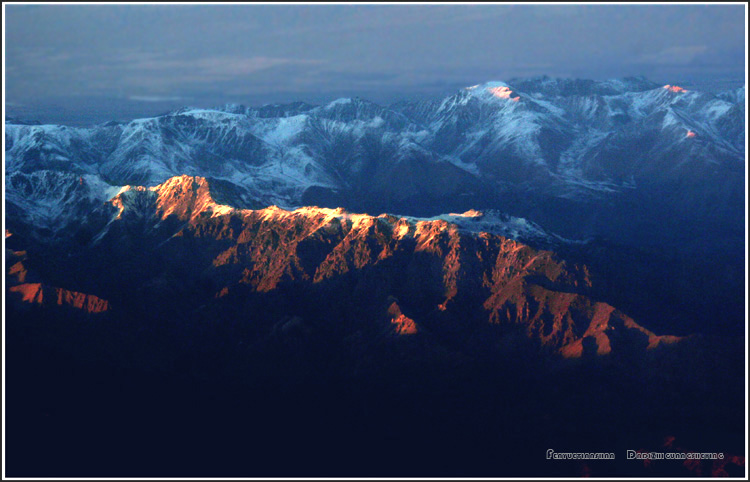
(338, 102)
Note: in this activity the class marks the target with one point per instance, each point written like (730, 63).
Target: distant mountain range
(596, 149)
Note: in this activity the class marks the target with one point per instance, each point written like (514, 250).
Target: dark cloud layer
(257, 53)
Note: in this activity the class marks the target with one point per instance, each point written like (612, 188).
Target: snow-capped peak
(492, 89)
(675, 88)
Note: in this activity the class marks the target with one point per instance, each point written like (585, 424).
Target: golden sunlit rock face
(607, 324)
(17, 277)
(509, 281)
(18, 271)
(185, 197)
(402, 324)
(30, 292)
(37, 293)
(499, 280)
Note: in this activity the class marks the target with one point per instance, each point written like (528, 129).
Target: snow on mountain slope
(556, 138)
(38, 147)
(489, 129)
(736, 96)
(52, 200)
(501, 224)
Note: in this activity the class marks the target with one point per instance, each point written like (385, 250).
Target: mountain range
(576, 143)
(520, 241)
(652, 173)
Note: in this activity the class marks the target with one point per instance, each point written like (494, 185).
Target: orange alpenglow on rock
(19, 271)
(403, 324)
(502, 92)
(607, 323)
(37, 293)
(81, 301)
(674, 88)
(264, 248)
(30, 292)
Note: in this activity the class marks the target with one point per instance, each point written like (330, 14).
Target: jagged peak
(185, 196)
(351, 105)
(181, 181)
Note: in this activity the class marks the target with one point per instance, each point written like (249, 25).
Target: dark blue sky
(119, 57)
